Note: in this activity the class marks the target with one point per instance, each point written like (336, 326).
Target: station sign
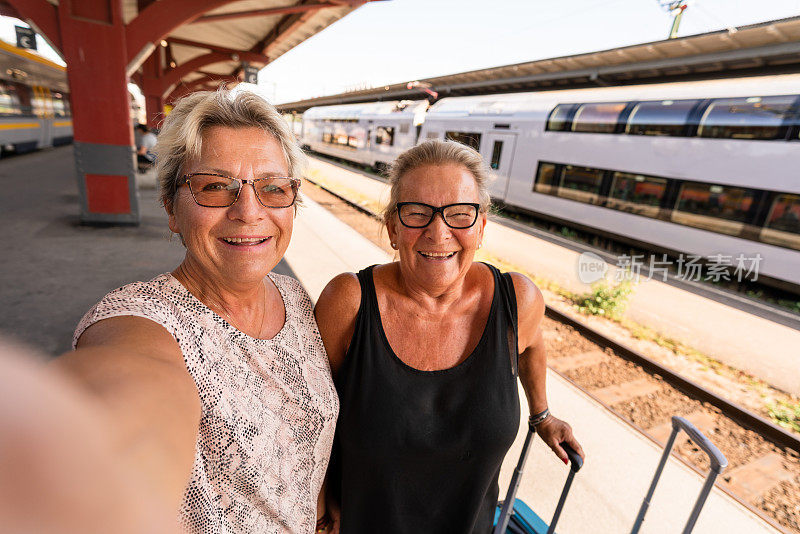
(250, 73)
(26, 38)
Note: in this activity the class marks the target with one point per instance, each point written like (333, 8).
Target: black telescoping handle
(576, 462)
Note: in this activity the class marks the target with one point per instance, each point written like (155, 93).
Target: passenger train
(697, 168)
(34, 101)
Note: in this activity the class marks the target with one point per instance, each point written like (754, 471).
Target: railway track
(764, 459)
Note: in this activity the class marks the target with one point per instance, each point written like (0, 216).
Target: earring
(394, 246)
(480, 245)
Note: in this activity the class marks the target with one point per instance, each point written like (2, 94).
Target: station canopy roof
(210, 48)
(765, 48)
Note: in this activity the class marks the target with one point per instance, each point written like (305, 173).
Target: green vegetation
(606, 299)
(785, 414)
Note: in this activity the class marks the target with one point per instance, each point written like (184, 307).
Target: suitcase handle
(575, 461)
(717, 459)
(718, 463)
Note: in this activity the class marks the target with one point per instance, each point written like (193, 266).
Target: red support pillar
(152, 89)
(93, 36)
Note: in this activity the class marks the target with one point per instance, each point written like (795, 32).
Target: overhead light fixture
(163, 43)
(173, 64)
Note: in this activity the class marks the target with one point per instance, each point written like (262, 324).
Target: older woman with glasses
(425, 353)
(214, 376)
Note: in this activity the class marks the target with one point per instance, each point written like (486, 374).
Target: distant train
(34, 101)
(697, 168)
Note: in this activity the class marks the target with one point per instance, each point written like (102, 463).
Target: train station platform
(55, 270)
(730, 328)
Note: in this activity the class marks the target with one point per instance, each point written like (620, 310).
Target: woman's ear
(169, 207)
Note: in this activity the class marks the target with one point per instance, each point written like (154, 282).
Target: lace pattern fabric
(269, 408)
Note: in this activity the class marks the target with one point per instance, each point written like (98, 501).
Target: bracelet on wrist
(323, 523)
(537, 419)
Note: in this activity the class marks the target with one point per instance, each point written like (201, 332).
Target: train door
(498, 150)
(43, 108)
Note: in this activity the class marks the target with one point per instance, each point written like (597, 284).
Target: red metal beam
(41, 14)
(174, 76)
(213, 48)
(266, 12)
(158, 20)
(196, 85)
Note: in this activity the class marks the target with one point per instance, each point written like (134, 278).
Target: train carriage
(701, 168)
(34, 101)
(371, 134)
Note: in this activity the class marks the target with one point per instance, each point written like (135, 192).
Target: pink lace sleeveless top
(269, 408)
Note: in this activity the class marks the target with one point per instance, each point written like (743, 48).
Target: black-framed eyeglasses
(213, 190)
(419, 215)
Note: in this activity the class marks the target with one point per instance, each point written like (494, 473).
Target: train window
(384, 135)
(783, 223)
(665, 117)
(326, 137)
(404, 128)
(560, 118)
(717, 208)
(59, 106)
(546, 178)
(747, 118)
(597, 118)
(636, 193)
(432, 135)
(9, 100)
(352, 142)
(581, 184)
(497, 151)
(471, 139)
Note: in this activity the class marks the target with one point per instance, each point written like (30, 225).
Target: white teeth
(438, 254)
(246, 240)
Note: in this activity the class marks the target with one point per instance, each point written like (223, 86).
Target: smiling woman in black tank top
(423, 356)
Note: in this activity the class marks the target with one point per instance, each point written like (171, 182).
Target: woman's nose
(247, 207)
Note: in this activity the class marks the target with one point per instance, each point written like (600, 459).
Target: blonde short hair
(181, 135)
(438, 152)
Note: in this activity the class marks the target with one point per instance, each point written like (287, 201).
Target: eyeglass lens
(420, 215)
(218, 191)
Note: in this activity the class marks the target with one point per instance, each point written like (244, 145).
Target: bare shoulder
(128, 348)
(530, 301)
(336, 311)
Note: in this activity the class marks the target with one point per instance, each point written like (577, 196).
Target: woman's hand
(335, 514)
(553, 431)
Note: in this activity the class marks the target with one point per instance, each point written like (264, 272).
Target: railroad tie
(753, 480)
(617, 393)
(703, 420)
(574, 361)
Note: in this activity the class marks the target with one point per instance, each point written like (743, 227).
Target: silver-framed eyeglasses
(213, 190)
(419, 215)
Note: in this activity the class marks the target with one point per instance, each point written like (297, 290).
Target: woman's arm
(60, 471)
(134, 372)
(336, 312)
(533, 365)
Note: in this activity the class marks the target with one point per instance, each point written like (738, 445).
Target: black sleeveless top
(420, 451)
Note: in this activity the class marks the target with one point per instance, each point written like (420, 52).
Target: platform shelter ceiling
(257, 31)
(765, 48)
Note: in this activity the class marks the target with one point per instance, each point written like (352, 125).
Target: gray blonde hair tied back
(181, 135)
(438, 152)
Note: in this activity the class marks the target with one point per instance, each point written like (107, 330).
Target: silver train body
(34, 101)
(707, 168)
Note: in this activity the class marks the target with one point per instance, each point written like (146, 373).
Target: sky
(403, 40)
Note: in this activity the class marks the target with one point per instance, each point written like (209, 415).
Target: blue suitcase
(519, 518)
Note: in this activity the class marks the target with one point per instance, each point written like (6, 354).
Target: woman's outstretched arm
(533, 365)
(134, 372)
